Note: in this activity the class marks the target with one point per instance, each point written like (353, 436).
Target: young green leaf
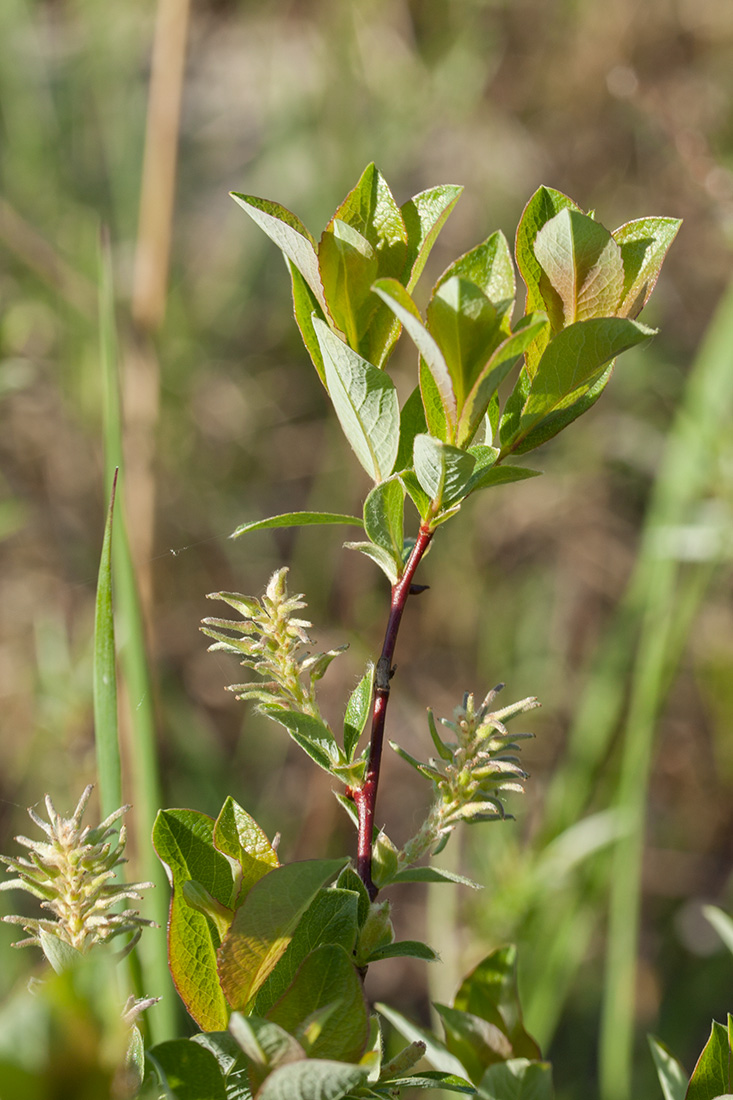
(583, 265)
(312, 1079)
(424, 216)
(519, 1079)
(327, 976)
(412, 423)
(560, 419)
(384, 511)
(492, 987)
(672, 1076)
(365, 400)
(573, 360)
(711, 1076)
(412, 949)
(305, 304)
(332, 918)
(183, 840)
(433, 874)
(291, 237)
(265, 1043)
(384, 860)
(442, 470)
(264, 925)
(313, 736)
(467, 329)
(476, 1042)
(357, 712)
(348, 265)
(436, 1052)
(402, 305)
(382, 557)
(644, 244)
(436, 419)
(109, 767)
(490, 377)
(488, 266)
(297, 519)
(445, 1082)
(544, 205)
(721, 922)
(416, 493)
(238, 836)
(187, 1070)
(499, 475)
(371, 209)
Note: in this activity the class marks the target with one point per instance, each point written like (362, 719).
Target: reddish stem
(366, 796)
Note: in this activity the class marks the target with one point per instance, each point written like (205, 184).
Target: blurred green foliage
(624, 106)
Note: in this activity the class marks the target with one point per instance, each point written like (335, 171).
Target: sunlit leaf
(424, 216)
(442, 470)
(297, 519)
(365, 400)
(238, 836)
(672, 1076)
(384, 510)
(358, 709)
(313, 736)
(644, 244)
(489, 266)
(711, 1076)
(583, 265)
(466, 327)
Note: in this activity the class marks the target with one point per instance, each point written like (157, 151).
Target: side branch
(366, 796)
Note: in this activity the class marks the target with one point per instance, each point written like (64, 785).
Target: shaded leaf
(476, 1042)
(489, 266)
(433, 874)
(313, 736)
(187, 1071)
(711, 1076)
(264, 925)
(357, 712)
(327, 976)
(518, 1079)
(558, 420)
(492, 987)
(448, 1082)
(384, 510)
(348, 266)
(413, 949)
(412, 423)
(305, 304)
(721, 922)
(466, 327)
(382, 557)
(331, 918)
(312, 1079)
(436, 1052)
(231, 1059)
(499, 475)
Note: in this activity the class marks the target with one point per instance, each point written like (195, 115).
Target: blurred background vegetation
(604, 587)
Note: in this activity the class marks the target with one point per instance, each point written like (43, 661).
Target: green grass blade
(144, 786)
(109, 767)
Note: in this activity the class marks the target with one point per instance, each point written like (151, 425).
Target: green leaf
(312, 1079)
(187, 1071)
(365, 400)
(412, 423)
(672, 1076)
(402, 305)
(297, 519)
(384, 511)
(305, 304)
(518, 1079)
(499, 475)
(290, 236)
(313, 736)
(60, 954)
(384, 560)
(327, 976)
(476, 1042)
(412, 949)
(183, 840)
(557, 421)
(506, 356)
(436, 1052)
(489, 266)
(424, 216)
(384, 860)
(358, 709)
(571, 363)
(265, 1043)
(433, 874)
(331, 918)
(721, 922)
(711, 1076)
(109, 768)
(446, 1082)
(442, 470)
(238, 836)
(264, 925)
(582, 263)
(416, 493)
(466, 327)
(544, 205)
(348, 265)
(492, 987)
(644, 244)
(232, 1062)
